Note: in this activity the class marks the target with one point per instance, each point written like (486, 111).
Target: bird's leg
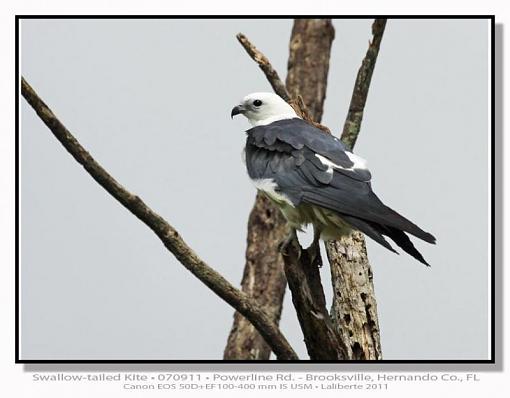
(314, 251)
(286, 244)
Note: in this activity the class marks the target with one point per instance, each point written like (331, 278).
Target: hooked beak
(236, 110)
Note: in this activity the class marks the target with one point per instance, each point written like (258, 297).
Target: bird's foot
(290, 244)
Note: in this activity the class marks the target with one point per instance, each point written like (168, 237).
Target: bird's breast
(331, 225)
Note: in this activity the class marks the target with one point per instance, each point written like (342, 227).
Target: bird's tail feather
(393, 219)
(399, 222)
(368, 230)
(368, 208)
(403, 241)
(376, 232)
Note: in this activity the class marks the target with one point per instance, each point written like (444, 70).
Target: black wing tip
(416, 256)
(413, 253)
(429, 238)
(403, 241)
(424, 262)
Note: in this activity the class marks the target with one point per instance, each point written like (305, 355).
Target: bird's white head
(264, 108)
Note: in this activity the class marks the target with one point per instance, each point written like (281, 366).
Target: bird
(313, 178)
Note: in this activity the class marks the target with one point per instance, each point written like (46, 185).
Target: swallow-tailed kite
(312, 177)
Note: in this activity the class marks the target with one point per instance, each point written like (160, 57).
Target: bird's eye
(257, 102)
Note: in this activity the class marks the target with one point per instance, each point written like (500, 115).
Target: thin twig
(264, 64)
(359, 95)
(273, 78)
(168, 235)
(278, 86)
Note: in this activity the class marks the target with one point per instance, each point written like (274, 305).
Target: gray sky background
(151, 100)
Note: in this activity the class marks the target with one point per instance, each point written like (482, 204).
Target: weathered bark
(166, 233)
(354, 307)
(263, 277)
(352, 123)
(321, 337)
(308, 65)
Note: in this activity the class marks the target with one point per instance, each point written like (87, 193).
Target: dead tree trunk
(308, 65)
(263, 277)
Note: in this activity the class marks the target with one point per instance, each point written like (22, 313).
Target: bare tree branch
(264, 64)
(296, 101)
(354, 308)
(168, 235)
(321, 338)
(360, 93)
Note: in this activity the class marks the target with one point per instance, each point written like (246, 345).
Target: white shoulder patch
(359, 163)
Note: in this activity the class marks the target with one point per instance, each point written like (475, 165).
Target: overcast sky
(151, 101)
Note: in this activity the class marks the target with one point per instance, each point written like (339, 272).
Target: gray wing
(285, 151)
(298, 134)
